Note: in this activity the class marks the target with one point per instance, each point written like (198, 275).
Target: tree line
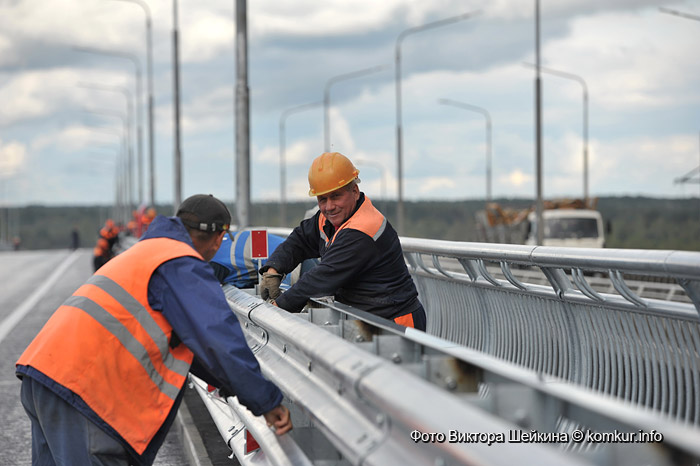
(636, 222)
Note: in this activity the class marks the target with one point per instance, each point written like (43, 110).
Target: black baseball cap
(204, 212)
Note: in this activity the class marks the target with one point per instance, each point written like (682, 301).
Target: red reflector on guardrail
(251, 445)
(258, 244)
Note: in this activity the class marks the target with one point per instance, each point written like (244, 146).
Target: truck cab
(582, 228)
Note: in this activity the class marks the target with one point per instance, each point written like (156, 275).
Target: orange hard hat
(330, 171)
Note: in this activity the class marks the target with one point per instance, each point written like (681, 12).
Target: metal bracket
(505, 268)
(440, 268)
(485, 273)
(419, 260)
(583, 285)
(619, 283)
(468, 266)
(692, 289)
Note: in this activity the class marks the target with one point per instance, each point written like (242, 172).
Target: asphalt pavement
(32, 285)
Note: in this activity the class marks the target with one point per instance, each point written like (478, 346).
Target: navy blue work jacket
(366, 272)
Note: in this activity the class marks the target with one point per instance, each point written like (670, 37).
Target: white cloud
(434, 186)
(12, 155)
(623, 65)
(339, 17)
(340, 133)
(300, 152)
(77, 137)
(638, 63)
(207, 35)
(212, 111)
(641, 165)
(516, 178)
(57, 93)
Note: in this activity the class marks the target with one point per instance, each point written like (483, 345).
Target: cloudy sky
(67, 70)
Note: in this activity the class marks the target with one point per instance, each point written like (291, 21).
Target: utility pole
(399, 131)
(327, 100)
(582, 82)
(489, 137)
(151, 130)
(176, 91)
(538, 129)
(283, 155)
(242, 117)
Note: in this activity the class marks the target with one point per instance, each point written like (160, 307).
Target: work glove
(270, 285)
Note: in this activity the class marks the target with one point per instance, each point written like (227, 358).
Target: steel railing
(363, 390)
(645, 350)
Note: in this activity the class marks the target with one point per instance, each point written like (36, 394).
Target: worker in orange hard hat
(110, 233)
(147, 218)
(131, 227)
(101, 253)
(361, 260)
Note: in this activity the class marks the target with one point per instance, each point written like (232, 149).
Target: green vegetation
(636, 222)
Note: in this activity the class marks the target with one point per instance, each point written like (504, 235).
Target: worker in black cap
(103, 380)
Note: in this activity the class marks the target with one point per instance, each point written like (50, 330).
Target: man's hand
(278, 418)
(270, 285)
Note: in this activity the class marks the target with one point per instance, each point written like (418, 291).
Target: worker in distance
(361, 260)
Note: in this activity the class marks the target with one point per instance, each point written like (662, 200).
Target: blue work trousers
(62, 436)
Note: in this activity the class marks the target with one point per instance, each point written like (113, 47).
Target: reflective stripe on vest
(116, 328)
(366, 219)
(109, 347)
(405, 320)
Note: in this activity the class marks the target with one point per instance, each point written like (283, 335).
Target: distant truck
(571, 228)
(567, 223)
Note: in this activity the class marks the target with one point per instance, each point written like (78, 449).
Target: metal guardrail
(363, 390)
(233, 420)
(352, 407)
(644, 350)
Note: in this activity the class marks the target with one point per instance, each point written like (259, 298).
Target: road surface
(32, 285)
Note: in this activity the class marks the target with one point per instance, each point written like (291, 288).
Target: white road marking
(7, 325)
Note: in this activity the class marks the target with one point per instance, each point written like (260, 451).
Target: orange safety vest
(107, 345)
(371, 222)
(366, 219)
(100, 248)
(109, 232)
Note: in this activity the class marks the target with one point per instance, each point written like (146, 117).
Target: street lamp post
(539, 204)
(176, 104)
(689, 177)
(487, 116)
(129, 112)
(114, 163)
(382, 171)
(129, 168)
(327, 99)
(581, 81)
(399, 134)
(6, 230)
(679, 13)
(151, 123)
(283, 161)
(121, 175)
(137, 66)
(686, 16)
(242, 107)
